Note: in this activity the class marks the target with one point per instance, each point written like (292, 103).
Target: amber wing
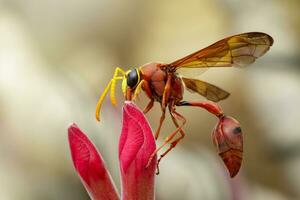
(238, 50)
(211, 92)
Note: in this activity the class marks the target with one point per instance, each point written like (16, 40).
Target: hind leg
(168, 139)
(175, 116)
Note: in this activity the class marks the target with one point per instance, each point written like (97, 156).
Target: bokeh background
(57, 56)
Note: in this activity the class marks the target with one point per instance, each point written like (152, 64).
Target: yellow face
(132, 79)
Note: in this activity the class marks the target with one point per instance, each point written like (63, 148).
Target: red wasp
(164, 83)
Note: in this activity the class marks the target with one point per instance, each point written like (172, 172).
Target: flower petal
(136, 145)
(90, 166)
(228, 139)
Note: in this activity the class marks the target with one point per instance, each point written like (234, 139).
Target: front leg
(146, 87)
(164, 103)
(149, 106)
(167, 91)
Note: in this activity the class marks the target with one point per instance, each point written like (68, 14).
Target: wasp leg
(137, 90)
(164, 102)
(162, 118)
(167, 91)
(149, 106)
(174, 115)
(147, 89)
(173, 144)
(208, 105)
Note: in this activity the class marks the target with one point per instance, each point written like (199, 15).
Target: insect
(164, 83)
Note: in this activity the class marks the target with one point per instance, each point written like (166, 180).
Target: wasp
(165, 83)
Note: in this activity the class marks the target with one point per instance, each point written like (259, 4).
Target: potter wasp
(165, 84)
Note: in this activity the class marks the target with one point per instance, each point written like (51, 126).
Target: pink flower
(90, 166)
(136, 145)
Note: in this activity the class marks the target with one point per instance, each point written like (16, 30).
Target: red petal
(228, 139)
(135, 148)
(90, 166)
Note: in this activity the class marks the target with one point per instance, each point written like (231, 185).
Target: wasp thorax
(133, 78)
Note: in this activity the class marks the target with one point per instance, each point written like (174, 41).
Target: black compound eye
(237, 130)
(132, 78)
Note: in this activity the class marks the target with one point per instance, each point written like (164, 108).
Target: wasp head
(132, 79)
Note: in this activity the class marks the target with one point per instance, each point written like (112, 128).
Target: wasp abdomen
(228, 139)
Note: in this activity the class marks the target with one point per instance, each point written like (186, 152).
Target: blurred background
(57, 56)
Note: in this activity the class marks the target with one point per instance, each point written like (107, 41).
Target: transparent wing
(238, 50)
(209, 91)
(191, 72)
